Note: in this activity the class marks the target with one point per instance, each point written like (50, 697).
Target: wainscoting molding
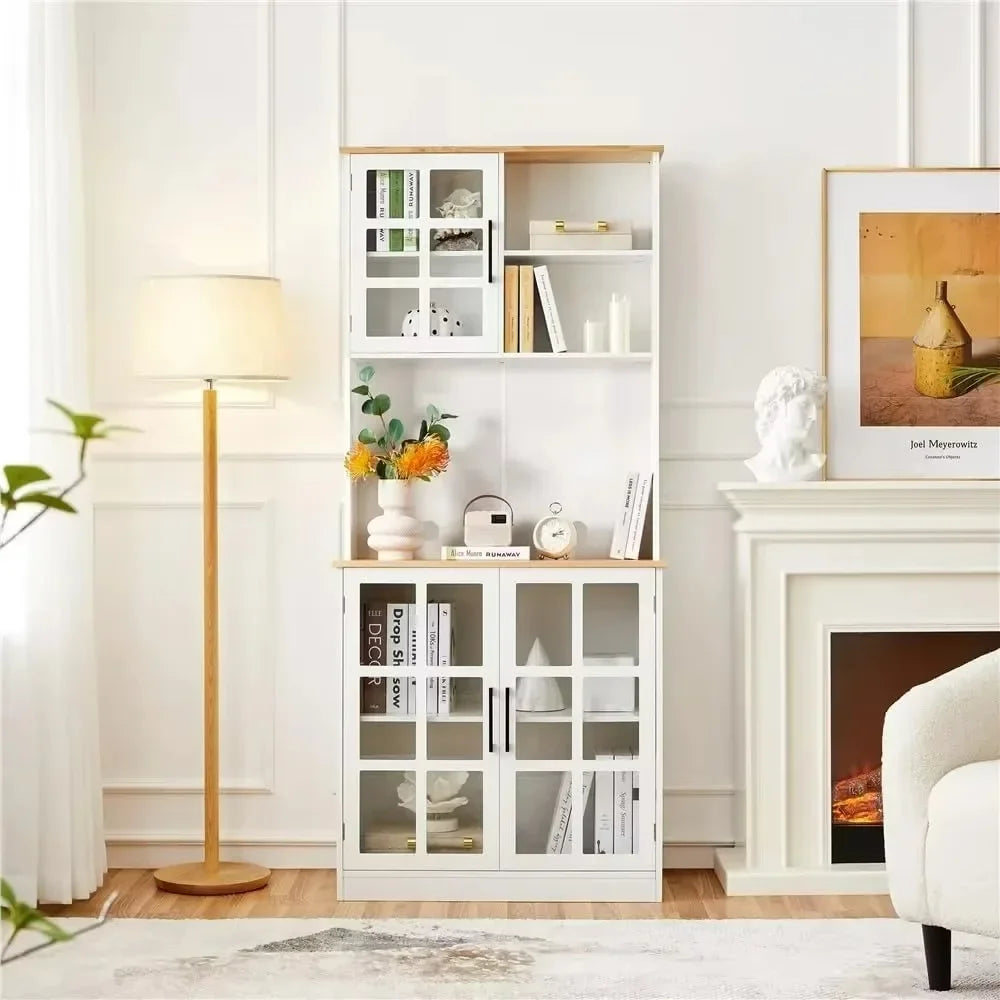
(905, 113)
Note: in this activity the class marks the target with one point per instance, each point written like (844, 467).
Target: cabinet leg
(937, 953)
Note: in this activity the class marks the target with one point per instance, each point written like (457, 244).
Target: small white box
(609, 694)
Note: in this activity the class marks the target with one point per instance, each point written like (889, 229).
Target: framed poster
(911, 300)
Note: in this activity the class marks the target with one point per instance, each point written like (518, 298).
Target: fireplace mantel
(812, 559)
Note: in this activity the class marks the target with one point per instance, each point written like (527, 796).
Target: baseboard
(689, 855)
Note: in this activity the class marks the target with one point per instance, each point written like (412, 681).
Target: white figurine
(787, 407)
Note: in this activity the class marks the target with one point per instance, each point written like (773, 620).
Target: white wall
(212, 134)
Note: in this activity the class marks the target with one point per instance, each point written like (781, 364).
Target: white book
(398, 624)
(410, 208)
(458, 553)
(395, 696)
(588, 783)
(604, 808)
(382, 209)
(411, 658)
(623, 808)
(560, 816)
(432, 658)
(636, 812)
(620, 534)
(549, 308)
(638, 519)
(444, 657)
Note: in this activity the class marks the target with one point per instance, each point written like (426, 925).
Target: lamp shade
(210, 326)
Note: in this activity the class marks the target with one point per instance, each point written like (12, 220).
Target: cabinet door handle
(489, 251)
(489, 708)
(507, 719)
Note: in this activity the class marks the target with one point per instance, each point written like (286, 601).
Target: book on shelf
(526, 309)
(444, 692)
(373, 654)
(411, 659)
(510, 308)
(398, 617)
(619, 535)
(604, 808)
(396, 696)
(588, 784)
(457, 553)
(638, 517)
(623, 807)
(432, 657)
(636, 840)
(411, 209)
(382, 209)
(549, 309)
(395, 208)
(560, 815)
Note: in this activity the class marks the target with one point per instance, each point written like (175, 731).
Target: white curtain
(53, 848)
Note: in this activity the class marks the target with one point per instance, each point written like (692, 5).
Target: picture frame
(911, 313)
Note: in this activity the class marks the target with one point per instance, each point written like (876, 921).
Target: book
(444, 658)
(588, 784)
(370, 206)
(432, 634)
(623, 808)
(397, 623)
(396, 208)
(549, 309)
(619, 535)
(636, 839)
(395, 696)
(411, 237)
(637, 522)
(373, 654)
(382, 209)
(457, 553)
(604, 807)
(526, 309)
(560, 815)
(411, 659)
(510, 308)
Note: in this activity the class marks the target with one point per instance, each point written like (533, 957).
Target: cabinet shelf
(536, 357)
(409, 564)
(566, 715)
(582, 256)
(453, 717)
(412, 254)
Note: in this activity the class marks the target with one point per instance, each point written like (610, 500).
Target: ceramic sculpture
(538, 694)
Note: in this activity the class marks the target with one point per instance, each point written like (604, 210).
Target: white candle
(593, 336)
(618, 323)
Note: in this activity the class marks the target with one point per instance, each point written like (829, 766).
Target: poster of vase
(912, 323)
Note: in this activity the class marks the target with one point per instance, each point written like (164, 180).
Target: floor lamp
(210, 328)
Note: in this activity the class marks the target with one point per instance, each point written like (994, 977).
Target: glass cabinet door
(425, 244)
(420, 669)
(579, 690)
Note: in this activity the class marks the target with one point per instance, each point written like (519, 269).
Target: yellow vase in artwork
(940, 346)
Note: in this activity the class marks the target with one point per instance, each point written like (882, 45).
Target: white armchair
(941, 806)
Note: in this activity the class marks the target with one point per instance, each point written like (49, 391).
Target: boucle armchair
(941, 808)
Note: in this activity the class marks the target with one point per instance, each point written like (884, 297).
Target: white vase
(395, 534)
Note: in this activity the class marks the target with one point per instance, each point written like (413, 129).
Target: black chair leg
(937, 952)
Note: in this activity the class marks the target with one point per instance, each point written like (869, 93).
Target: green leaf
(380, 404)
(40, 923)
(381, 469)
(23, 475)
(440, 431)
(365, 436)
(423, 430)
(381, 443)
(366, 373)
(361, 390)
(47, 500)
(395, 430)
(433, 414)
(448, 416)
(7, 892)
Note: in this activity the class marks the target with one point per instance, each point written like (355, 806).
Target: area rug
(494, 959)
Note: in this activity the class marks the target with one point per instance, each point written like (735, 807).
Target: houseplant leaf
(395, 430)
(440, 431)
(361, 390)
(366, 436)
(47, 500)
(23, 475)
(366, 373)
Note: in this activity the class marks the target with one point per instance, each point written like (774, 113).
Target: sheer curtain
(53, 848)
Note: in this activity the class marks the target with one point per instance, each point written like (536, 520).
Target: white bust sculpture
(787, 407)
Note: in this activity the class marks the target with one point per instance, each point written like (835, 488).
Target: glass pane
(392, 312)
(610, 715)
(611, 811)
(610, 624)
(392, 194)
(455, 612)
(455, 812)
(388, 727)
(456, 194)
(454, 718)
(456, 312)
(385, 620)
(544, 624)
(457, 263)
(386, 827)
(543, 804)
(544, 710)
(383, 262)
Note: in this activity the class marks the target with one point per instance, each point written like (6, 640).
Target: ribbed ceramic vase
(395, 534)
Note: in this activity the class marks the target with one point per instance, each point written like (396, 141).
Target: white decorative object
(787, 407)
(442, 797)
(442, 324)
(554, 536)
(395, 534)
(538, 694)
(594, 341)
(490, 526)
(610, 694)
(619, 322)
(462, 204)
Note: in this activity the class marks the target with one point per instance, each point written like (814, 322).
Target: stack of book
(616, 810)
(630, 524)
(519, 284)
(500, 553)
(392, 194)
(389, 639)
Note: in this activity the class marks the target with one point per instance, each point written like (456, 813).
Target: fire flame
(858, 799)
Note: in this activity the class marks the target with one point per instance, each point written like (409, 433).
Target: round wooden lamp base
(198, 879)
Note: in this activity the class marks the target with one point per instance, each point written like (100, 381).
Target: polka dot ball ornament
(443, 324)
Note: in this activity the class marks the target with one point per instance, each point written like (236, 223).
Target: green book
(395, 207)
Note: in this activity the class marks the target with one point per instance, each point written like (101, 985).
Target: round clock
(554, 536)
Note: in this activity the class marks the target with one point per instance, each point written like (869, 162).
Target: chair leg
(937, 953)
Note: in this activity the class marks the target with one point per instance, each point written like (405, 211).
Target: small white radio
(489, 525)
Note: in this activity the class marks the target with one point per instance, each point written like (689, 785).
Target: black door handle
(507, 719)
(489, 708)
(489, 251)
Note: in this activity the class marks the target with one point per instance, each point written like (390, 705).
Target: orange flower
(360, 461)
(423, 459)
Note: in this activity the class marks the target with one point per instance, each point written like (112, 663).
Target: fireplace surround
(822, 566)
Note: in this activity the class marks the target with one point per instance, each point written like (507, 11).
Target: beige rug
(492, 959)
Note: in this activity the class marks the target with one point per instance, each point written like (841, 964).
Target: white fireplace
(815, 559)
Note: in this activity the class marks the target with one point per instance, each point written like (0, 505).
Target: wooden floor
(313, 893)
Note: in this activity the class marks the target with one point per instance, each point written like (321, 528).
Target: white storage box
(609, 694)
(561, 234)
